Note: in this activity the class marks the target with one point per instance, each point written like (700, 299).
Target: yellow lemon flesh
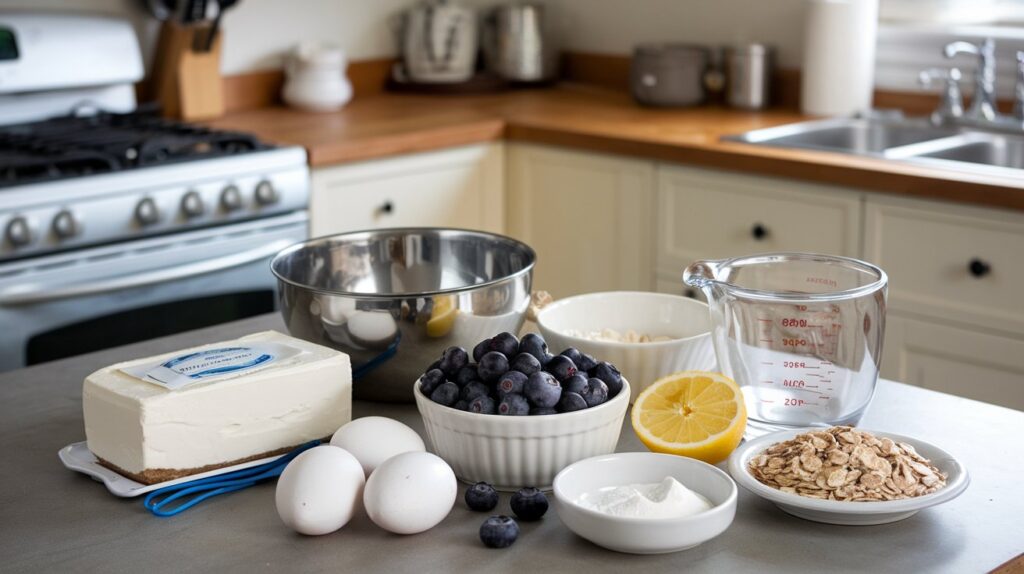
(443, 316)
(693, 413)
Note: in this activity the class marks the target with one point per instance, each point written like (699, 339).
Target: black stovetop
(72, 146)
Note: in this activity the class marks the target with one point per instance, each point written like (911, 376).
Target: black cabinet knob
(979, 268)
(758, 232)
(387, 207)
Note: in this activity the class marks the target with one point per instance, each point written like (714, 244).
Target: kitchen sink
(851, 135)
(913, 140)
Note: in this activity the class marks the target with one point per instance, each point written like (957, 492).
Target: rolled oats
(843, 463)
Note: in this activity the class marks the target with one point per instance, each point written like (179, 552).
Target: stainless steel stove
(118, 225)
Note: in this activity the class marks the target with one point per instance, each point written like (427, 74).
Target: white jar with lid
(315, 78)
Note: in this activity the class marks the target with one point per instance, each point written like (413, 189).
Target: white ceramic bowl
(513, 452)
(684, 319)
(849, 513)
(644, 535)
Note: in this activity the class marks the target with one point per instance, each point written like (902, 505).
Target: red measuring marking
(764, 363)
(765, 320)
(766, 340)
(766, 401)
(769, 382)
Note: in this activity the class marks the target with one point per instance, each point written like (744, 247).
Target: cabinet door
(588, 216)
(950, 262)
(461, 187)
(712, 214)
(963, 362)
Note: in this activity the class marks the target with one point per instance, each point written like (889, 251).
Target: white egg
(320, 490)
(410, 493)
(372, 440)
(374, 329)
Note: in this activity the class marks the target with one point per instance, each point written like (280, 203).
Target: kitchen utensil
(79, 458)
(640, 535)
(668, 74)
(187, 80)
(157, 501)
(510, 452)
(222, 6)
(748, 71)
(518, 45)
(800, 333)
(315, 78)
(683, 319)
(837, 75)
(410, 291)
(847, 512)
(438, 42)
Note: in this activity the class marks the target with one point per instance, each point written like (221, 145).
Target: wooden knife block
(186, 81)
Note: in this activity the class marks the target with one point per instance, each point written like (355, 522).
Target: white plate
(849, 513)
(79, 458)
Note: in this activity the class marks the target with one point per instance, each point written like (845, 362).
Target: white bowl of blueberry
(514, 414)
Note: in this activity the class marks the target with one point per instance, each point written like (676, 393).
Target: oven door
(72, 303)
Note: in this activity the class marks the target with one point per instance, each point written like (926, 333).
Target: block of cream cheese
(164, 417)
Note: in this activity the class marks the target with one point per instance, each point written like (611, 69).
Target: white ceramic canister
(315, 78)
(839, 56)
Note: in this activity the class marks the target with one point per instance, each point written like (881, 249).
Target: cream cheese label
(212, 365)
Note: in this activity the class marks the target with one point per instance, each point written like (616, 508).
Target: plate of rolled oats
(847, 475)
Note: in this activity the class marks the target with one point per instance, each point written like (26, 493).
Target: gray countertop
(57, 520)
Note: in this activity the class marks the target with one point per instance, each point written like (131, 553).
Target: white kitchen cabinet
(970, 363)
(588, 216)
(950, 262)
(714, 214)
(460, 187)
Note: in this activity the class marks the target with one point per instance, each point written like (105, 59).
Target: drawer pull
(387, 207)
(759, 232)
(979, 268)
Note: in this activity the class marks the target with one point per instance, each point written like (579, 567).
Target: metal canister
(748, 71)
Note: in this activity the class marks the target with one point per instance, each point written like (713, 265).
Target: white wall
(258, 32)
(615, 26)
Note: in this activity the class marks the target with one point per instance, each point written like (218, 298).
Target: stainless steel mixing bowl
(394, 299)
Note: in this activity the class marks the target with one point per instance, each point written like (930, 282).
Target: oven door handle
(35, 293)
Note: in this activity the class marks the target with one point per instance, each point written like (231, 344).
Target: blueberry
(466, 375)
(431, 380)
(525, 363)
(481, 497)
(514, 405)
(499, 532)
(461, 405)
(492, 366)
(546, 359)
(434, 365)
(586, 362)
(473, 390)
(505, 343)
(561, 367)
(484, 405)
(453, 359)
(610, 375)
(445, 394)
(529, 503)
(574, 354)
(481, 349)
(534, 344)
(536, 411)
(512, 382)
(543, 390)
(597, 394)
(571, 401)
(575, 384)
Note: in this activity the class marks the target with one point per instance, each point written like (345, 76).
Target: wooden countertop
(600, 120)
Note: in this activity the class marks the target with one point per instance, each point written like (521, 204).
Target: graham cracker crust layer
(157, 475)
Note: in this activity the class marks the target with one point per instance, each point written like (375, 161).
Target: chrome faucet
(951, 102)
(1018, 101)
(983, 100)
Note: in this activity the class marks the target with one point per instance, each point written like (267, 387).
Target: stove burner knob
(146, 212)
(231, 198)
(64, 225)
(18, 232)
(192, 204)
(266, 194)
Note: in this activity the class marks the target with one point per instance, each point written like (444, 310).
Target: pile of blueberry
(500, 531)
(509, 376)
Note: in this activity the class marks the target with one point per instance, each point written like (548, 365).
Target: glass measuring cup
(800, 333)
